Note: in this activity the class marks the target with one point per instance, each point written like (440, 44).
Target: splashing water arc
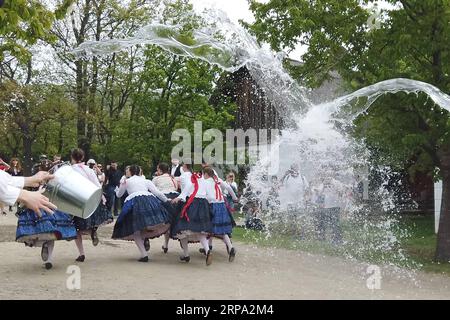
(373, 92)
(323, 153)
(238, 48)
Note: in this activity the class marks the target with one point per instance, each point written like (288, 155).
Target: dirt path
(112, 272)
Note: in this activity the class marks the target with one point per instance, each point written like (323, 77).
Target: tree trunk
(443, 241)
(27, 154)
(60, 136)
(81, 105)
(92, 106)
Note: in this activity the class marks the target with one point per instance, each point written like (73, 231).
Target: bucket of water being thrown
(71, 192)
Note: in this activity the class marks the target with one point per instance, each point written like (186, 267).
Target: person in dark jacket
(113, 176)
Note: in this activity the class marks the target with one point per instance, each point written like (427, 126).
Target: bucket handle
(53, 169)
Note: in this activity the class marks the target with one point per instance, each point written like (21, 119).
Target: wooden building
(253, 108)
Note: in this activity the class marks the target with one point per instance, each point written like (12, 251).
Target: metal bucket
(71, 192)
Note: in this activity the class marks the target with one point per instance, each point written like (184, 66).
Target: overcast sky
(236, 9)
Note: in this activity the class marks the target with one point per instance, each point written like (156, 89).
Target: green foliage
(166, 93)
(124, 105)
(40, 114)
(175, 93)
(23, 22)
(332, 30)
(412, 42)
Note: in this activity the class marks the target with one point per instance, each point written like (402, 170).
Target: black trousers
(328, 218)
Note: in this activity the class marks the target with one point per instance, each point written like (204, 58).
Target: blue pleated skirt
(142, 213)
(31, 229)
(100, 217)
(222, 221)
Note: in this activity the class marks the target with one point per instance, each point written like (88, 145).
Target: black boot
(44, 252)
(147, 244)
(144, 259)
(185, 259)
(94, 237)
(232, 254)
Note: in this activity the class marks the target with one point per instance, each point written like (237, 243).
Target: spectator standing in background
(15, 170)
(176, 169)
(113, 176)
(230, 180)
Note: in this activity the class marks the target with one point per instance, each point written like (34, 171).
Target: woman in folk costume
(43, 231)
(143, 215)
(184, 183)
(101, 215)
(169, 186)
(194, 222)
(222, 220)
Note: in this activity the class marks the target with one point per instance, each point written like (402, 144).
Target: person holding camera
(43, 165)
(98, 170)
(56, 159)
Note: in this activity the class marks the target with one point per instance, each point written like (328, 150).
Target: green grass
(421, 244)
(281, 241)
(418, 247)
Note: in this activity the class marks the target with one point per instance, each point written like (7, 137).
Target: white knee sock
(204, 243)
(50, 245)
(140, 243)
(185, 245)
(166, 239)
(79, 243)
(227, 241)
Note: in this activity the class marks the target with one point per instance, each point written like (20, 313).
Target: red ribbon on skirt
(194, 180)
(219, 195)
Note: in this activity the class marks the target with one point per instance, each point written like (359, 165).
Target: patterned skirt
(142, 213)
(33, 231)
(199, 223)
(222, 220)
(100, 217)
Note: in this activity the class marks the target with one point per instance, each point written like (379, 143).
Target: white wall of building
(437, 204)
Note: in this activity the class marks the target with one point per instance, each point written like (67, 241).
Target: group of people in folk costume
(189, 208)
(155, 208)
(42, 230)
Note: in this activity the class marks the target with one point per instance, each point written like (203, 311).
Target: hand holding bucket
(38, 179)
